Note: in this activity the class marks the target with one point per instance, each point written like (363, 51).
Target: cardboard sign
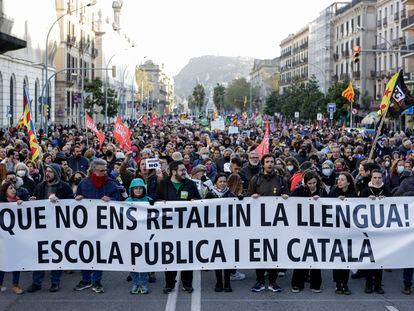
(152, 164)
(218, 125)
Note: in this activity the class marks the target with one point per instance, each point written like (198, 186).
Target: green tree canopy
(218, 96)
(95, 86)
(236, 92)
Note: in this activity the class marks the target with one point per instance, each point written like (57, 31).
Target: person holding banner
(178, 188)
(138, 193)
(344, 188)
(96, 186)
(8, 193)
(376, 190)
(267, 183)
(312, 187)
(52, 188)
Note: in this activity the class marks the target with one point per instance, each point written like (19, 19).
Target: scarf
(372, 186)
(220, 193)
(98, 181)
(12, 199)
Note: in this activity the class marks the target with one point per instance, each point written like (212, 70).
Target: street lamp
(107, 81)
(46, 51)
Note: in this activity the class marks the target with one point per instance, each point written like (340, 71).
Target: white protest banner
(217, 125)
(268, 232)
(152, 164)
(233, 130)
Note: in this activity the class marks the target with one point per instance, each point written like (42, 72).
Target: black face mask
(76, 181)
(109, 154)
(227, 159)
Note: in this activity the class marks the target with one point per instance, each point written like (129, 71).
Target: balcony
(379, 24)
(407, 23)
(345, 53)
(304, 46)
(407, 48)
(71, 40)
(384, 21)
(335, 56)
(344, 76)
(396, 16)
(373, 74)
(401, 40)
(356, 74)
(403, 14)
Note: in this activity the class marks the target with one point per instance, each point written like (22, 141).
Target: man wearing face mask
(328, 173)
(203, 154)
(223, 160)
(252, 168)
(77, 162)
(52, 188)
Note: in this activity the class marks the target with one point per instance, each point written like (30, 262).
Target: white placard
(233, 130)
(319, 117)
(152, 164)
(217, 125)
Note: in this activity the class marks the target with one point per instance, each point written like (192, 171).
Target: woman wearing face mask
(396, 172)
(8, 193)
(328, 174)
(22, 171)
(344, 188)
(211, 170)
(75, 179)
(221, 190)
(312, 187)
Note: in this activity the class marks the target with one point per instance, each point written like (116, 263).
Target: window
(391, 9)
(12, 99)
(359, 21)
(35, 100)
(352, 25)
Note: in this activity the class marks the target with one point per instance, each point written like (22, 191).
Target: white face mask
(327, 171)
(400, 169)
(21, 173)
(290, 167)
(204, 156)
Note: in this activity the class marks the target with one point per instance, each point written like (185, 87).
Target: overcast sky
(173, 31)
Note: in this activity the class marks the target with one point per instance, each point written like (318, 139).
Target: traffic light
(46, 110)
(357, 53)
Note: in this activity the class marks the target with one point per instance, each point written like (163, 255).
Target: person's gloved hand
(240, 197)
(151, 202)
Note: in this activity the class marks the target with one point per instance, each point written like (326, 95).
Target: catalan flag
(349, 93)
(389, 90)
(235, 120)
(27, 121)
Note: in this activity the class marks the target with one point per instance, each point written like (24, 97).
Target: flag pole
(350, 116)
(377, 134)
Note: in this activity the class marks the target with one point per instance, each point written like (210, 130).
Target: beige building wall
(294, 59)
(355, 25)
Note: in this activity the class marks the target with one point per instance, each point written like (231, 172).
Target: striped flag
(349, 93)
(389, 90)
(235, 120)
(27, 121)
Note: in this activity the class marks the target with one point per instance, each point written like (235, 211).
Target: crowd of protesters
(303, 161)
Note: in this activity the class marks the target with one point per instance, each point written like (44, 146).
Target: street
(117, 296)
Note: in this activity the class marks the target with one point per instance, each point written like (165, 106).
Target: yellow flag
(349, 93)
(385, 101)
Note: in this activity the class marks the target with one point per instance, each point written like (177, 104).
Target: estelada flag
(401, 98)
(349, 93)
(91, 125)
(263, 148)
(122, 134)
(389, 91)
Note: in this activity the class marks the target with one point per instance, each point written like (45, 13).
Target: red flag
(153, 120)
(263, 148)
(90, 125)
(122, 134)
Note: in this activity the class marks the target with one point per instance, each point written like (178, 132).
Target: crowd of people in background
(304, 160)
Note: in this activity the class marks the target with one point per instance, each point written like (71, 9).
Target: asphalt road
(117, 297)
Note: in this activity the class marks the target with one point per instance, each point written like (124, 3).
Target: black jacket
(268, 185)
(336, 192)
(212, 195)
(247, 173)
(64, 191)
(304, 192)
(406, 187)
(188, 191)
(368, 191)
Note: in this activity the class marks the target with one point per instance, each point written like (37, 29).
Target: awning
(10, 43)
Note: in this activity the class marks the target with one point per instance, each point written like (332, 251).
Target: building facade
(265, 76)
(160, 95)
(77, 49)
(294, 59)
(389, 37)
(407, 28)
(355, 25)
(22, 57)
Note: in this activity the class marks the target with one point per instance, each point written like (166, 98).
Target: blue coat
(79, 164)
(89, 191)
